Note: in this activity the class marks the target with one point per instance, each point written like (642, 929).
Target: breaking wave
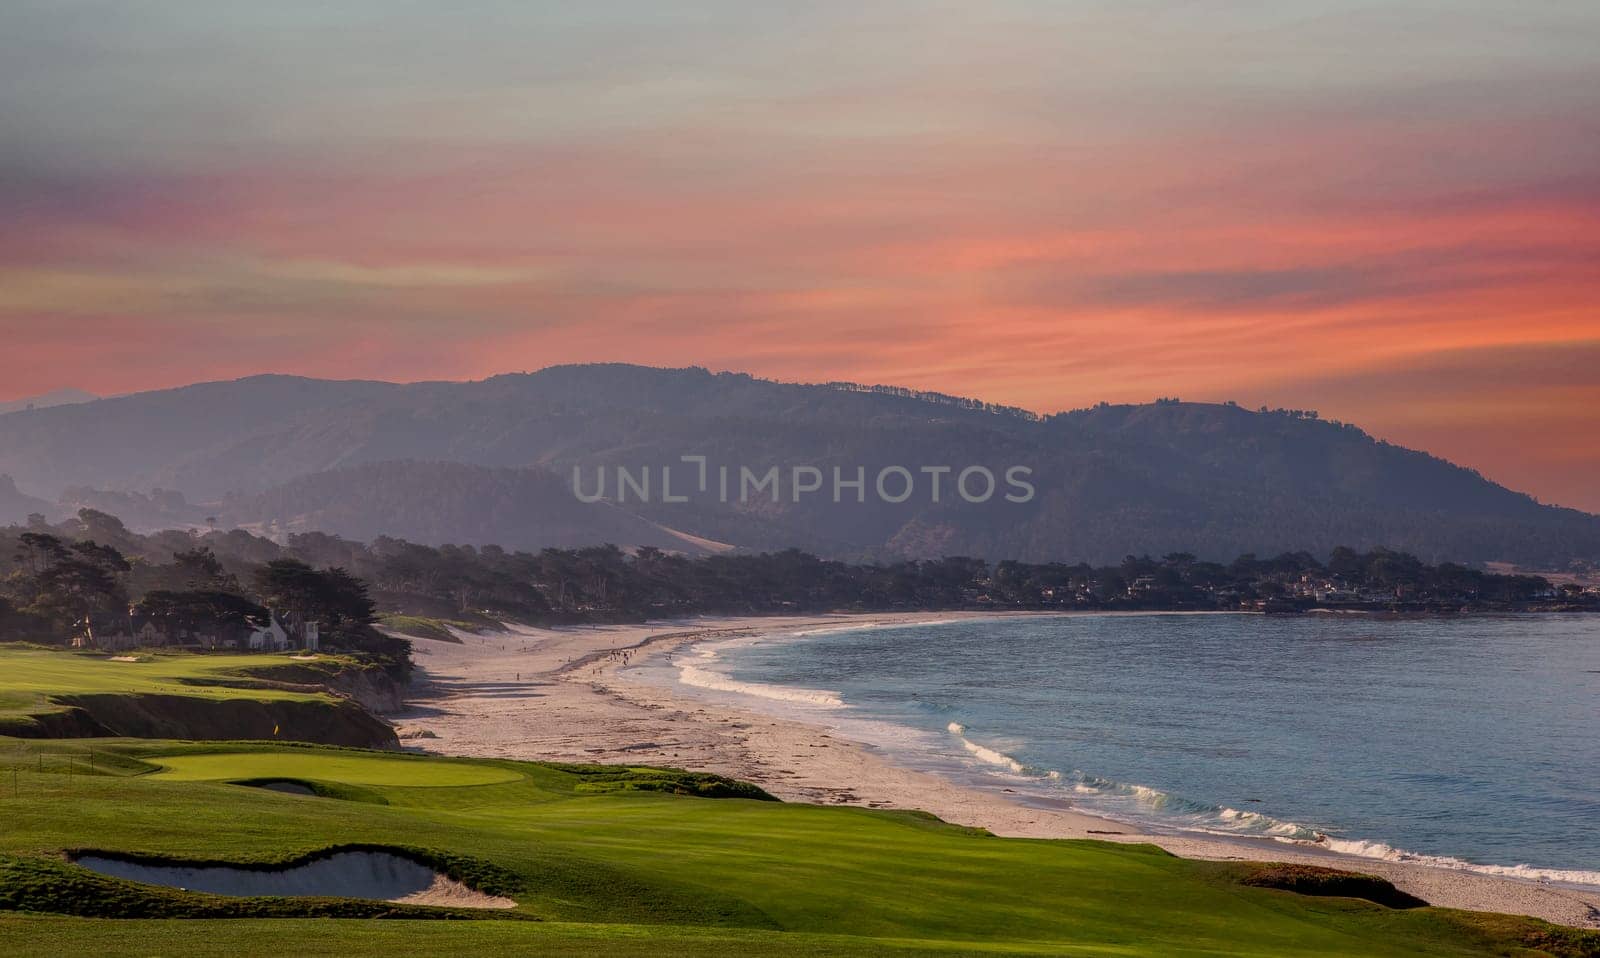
(985, 754)
(1141, 804)
(871, 626)
(1388, 853)
(698, 673)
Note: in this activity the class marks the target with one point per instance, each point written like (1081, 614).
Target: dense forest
(53, 576)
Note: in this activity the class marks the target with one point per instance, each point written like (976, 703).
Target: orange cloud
(1260, 269)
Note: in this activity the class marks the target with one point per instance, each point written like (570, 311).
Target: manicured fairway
(613, 870)
(346, 769)
(28, 677)
(177, 695)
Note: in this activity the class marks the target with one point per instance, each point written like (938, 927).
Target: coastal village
(1376, 581)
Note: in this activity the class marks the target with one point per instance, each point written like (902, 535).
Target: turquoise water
(1471, 740)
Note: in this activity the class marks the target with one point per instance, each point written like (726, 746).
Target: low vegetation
(1331, 882)
(425, 627)
(622, 778)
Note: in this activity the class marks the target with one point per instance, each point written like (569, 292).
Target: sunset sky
(1389, 212)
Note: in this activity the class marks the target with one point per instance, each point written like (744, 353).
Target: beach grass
(428, 627)
(643, 871)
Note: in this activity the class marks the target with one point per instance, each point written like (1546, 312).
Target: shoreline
(564, 694)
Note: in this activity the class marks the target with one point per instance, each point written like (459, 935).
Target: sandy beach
(564, 695)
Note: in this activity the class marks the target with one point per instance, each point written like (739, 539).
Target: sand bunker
(348, 874)
(288, 788)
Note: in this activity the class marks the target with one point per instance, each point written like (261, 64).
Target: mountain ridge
(1111, 479)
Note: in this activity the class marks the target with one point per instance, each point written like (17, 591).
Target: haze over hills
(492, 462)
(55, 397)
(15, 504)
(439, 502)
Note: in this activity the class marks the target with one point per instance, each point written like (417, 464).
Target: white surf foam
(1378, 850)
(699, 674)
(1143, 804)
(873, 626)
(984, 753)
(993, 757)
(1223, 821)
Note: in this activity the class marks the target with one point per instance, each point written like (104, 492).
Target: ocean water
(1471, 741)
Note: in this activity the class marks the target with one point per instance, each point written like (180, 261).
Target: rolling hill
(493, 460)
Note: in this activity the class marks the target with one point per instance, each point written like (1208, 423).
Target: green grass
(636, 871)
(33, 677)
(46, 693)
(353, 769)
(41, 937)
(426, 627)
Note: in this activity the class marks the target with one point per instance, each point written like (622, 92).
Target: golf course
(140, 844)
(620, 860)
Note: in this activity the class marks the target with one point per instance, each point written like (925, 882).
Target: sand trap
(124, 658)
(350, 874)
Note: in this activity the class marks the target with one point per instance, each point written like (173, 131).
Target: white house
(269, 638)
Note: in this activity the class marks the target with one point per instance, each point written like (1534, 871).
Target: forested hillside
(364, 459)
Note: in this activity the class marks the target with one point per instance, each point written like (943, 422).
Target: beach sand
(563, 695)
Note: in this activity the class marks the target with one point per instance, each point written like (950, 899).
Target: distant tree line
(939, 399)
(50, 577)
